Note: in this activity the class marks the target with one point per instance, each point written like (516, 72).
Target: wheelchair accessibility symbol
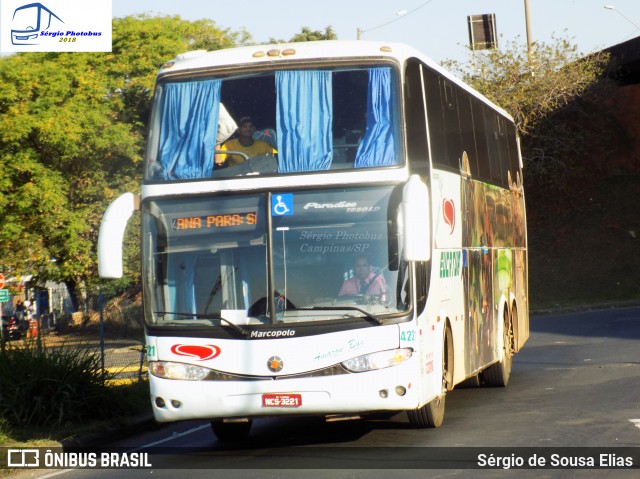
(282, 204)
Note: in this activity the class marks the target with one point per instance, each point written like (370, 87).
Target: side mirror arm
(110, 238)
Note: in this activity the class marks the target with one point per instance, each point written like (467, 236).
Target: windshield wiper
(349, 308)
(233, 325)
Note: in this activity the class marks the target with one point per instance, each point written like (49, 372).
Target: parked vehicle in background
(11, 328)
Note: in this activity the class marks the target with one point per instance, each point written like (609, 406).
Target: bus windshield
(298, 120)
(320, 256)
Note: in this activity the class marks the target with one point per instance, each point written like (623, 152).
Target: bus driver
(364, 280)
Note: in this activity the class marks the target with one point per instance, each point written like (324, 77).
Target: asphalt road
(574, 385)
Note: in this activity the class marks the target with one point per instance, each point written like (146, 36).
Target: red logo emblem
(202, 353)
(449, 213)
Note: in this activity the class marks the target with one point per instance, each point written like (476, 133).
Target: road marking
(176, 435)
(635, 422)
(57, 473)
(127, 369)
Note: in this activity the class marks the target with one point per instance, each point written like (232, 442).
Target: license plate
(281, 400)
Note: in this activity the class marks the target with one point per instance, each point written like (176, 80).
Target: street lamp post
(527, 18)
(612, 7)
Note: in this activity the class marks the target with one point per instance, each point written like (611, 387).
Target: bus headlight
(171, 370)
(378, 360)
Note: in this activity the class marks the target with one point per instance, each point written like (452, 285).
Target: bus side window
(467, 134)
(482, 146)
(435, 117)
(417, 151)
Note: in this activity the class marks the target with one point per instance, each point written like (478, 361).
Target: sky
(438, 28)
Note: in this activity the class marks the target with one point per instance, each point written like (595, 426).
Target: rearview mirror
(114, 222)
(416, 222)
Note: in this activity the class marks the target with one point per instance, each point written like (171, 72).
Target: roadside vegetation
(53, 391)
(72, 129)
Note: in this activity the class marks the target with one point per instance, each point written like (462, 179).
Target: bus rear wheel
(232, 430)
(498, 374)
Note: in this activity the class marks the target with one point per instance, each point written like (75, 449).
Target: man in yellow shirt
(245, 143)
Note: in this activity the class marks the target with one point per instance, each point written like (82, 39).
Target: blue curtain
(188, 130)
(182, 269)
(378, 146)
(304, 116)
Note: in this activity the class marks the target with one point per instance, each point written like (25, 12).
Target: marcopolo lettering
(275, 333)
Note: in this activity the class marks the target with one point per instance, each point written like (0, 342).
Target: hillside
(584, 239)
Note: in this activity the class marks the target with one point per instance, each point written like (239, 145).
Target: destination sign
(215, 221)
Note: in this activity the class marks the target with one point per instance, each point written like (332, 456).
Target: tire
(470, 383)
(431, 415)
(231, 431)
(498, 374)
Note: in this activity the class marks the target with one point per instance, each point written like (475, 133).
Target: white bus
(376, 260)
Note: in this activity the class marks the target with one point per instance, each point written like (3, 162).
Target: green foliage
(531, 90)
(308, 35)
(54, 387)
(72, 130)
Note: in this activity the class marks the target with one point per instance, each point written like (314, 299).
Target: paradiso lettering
(450, 264)
(349, 207)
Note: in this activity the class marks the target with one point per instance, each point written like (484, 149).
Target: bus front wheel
(232, 430)
(428, 416)
(432, 414)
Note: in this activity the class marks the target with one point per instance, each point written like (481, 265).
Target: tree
(72, 129)
(544, 94)
(307, 35)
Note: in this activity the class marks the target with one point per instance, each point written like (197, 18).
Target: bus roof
(284, 52)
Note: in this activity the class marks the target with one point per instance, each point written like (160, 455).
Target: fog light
(175, 403)
(384, 393)
(401, 390)
(160, 402)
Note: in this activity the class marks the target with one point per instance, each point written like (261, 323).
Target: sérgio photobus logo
(55, 26)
